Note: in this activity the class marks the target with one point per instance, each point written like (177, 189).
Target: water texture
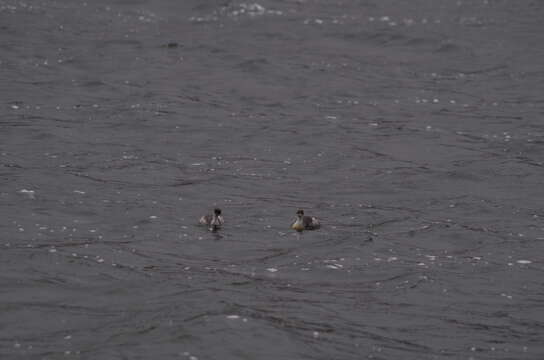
(414, 130)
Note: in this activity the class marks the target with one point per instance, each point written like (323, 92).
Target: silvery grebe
(305, 222)
(213, 221)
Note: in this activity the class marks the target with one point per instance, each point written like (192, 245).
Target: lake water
(413, 130)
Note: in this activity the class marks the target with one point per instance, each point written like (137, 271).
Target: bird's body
(305, 222)
(213, 221)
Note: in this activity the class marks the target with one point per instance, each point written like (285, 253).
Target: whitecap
(29, 193)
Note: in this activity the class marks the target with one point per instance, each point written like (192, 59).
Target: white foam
(29, 193)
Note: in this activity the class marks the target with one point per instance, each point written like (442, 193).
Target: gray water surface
(413, 129)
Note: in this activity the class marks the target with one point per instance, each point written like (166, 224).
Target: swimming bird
(213, 221)
(305, 222)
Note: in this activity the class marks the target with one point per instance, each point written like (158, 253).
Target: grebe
(305, 222)
(213, 221)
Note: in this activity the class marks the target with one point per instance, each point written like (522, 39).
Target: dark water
(413, 129)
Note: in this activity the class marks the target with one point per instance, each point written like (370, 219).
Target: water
(412, 130)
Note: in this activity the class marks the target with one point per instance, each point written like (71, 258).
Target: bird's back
(310, 223)
(206, 219)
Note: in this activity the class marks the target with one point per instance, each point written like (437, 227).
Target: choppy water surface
(413, 129)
